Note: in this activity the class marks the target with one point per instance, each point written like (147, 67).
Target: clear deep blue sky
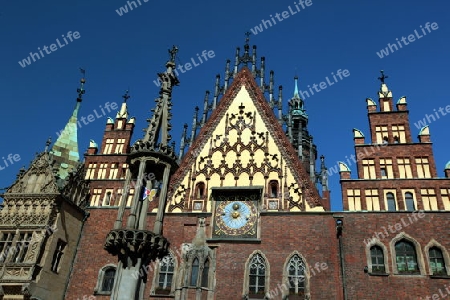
(121, 52)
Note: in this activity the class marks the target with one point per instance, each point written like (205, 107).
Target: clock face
(235, 218)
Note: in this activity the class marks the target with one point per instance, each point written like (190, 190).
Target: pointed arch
(375, 242)
(397, 259)
(195, 267)
(256, 274)
(296, 267)
(445, 256)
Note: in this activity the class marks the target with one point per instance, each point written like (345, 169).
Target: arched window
(194, 272)
(377, 259)
(205, 274)
(391, 202)
(166, 270)
(273, 186)
(406, 258)
(108, 280)
(257, 275)
(409, 200)
(199, 190)
(105, 280)
(437, 263)
(296, 275)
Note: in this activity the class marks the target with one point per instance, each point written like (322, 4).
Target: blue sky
(121, 52)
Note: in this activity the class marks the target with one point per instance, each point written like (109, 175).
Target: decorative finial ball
(236, 206)
(83, 80)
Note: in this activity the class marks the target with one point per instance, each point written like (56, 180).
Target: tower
(394, 173)
(151, 162)
(42, 219)
(298, 133)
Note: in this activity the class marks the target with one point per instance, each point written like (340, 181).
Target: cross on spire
(126, 96)
(173, 53)
(81, 90)
(383, 77)
(247, 39)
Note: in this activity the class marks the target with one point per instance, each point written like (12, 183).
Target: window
(409, 201)
(372, 199)
(105, 281)
(405, 257)
(437, 261)
(273, 185)
(108, 280)
(404, 168)
(166, 270)
(429, 199)
(445, 193)
(102, 171)
(354, 199)
(21, 247)
(296, 275)
(390, 202)
(194, 272)
(113, 171)
(381, 134)
(107, 199)
(57, 256)
(119, 147)
(377, 259)
(130, 196)
(200, 190)
(368, 169)
(257, 275)
(96, 197)
(423, 167)
(205, 274)
(5, 245)
(123, 173)
(90, 171)
(108, 146)
(398, 131)
(386, 168)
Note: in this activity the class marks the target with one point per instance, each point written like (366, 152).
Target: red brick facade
(339, 259)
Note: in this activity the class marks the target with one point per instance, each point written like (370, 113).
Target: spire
(296, 95)
(297, 102)
(123, 112)
(65, 150)
(157, 133)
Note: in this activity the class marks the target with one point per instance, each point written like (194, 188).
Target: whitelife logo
(411, 38)
(53, 47)
(280, 17)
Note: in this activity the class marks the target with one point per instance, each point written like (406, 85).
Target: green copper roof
(65, 149)
(296, 95)
(447, 166)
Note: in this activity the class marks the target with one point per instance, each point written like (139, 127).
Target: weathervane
(383, 77)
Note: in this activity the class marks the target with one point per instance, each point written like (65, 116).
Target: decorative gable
(243, 145)
(38, 179)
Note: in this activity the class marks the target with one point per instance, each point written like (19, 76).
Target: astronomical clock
(236, 213)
